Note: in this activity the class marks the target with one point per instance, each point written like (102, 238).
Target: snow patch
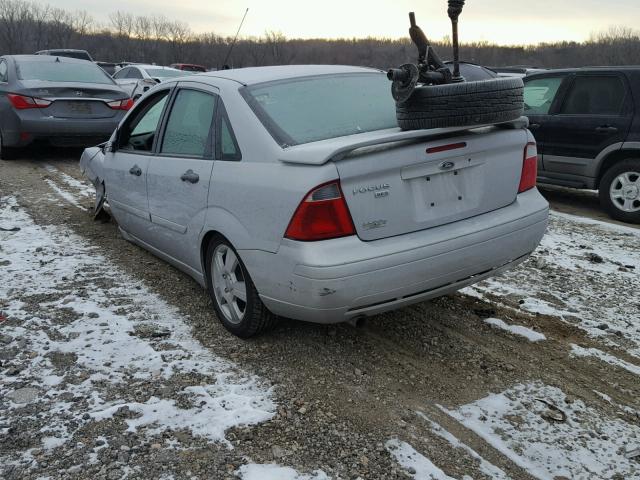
(578, 351)
(419, 466)
(525, 332)
(586, 445)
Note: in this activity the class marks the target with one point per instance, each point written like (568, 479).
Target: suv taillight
(22, 102)
(529, 168)
(125, 104)
(323, 214)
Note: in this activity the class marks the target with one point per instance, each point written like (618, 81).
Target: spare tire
(460, 104)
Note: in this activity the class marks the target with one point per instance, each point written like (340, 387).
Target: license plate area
(80, 108)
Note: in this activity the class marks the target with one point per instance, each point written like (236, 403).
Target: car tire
(619, 191)
(244, 318)
(6, 153)
(460, 104)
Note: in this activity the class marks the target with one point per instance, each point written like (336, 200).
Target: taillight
(22, 102)
(529, 168)
(323, 214)
(125, 104)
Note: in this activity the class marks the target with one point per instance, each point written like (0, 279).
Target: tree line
(26, 27)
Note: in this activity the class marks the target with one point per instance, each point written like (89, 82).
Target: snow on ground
(416, 464)
(89, 343)
(586, 272)
(64, 194)
(485, 466)
(85, 189)
(578, 351)
(270, 471)
(525, 332)
(521, 424)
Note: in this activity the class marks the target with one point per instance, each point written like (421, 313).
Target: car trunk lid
(396, 189)
(76, 100)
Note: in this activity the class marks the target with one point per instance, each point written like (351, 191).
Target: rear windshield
(165, 73)
(62, 72)
(304, 110)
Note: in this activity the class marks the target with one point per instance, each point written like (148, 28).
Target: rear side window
(133, 73)
(188, 130)
(304, 110)
(62, 72)
(539, 95)
(595, 95)
(3, 71)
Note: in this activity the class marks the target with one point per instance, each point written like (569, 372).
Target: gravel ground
(430, 391)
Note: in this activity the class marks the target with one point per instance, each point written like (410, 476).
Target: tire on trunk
(460, 104)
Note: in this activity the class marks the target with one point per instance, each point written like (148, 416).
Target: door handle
(190, 176)
(606, 129)
(534, 126)
(135, 170)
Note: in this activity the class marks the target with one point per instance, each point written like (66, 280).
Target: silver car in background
(290, 191)
(137, 79)
(63, 100)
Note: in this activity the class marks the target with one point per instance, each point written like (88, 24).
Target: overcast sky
(500, 21)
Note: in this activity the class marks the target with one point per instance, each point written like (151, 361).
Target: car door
(180, 172)
(541, 95)
(126, 164)
(595, 113)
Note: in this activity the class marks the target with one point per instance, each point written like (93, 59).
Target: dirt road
(113, 364)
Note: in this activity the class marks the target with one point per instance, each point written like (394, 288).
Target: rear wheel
(5, 153)
(235, 298)
(620, 191)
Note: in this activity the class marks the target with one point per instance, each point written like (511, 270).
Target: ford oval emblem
(447, 165)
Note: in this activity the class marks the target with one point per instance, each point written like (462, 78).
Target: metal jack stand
(454, 11)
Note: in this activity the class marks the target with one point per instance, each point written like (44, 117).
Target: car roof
(47, 58)
(586, 69)
(62, 50)
(254, 75)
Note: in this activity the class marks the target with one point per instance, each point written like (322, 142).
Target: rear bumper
(336, 280)
(25, 129)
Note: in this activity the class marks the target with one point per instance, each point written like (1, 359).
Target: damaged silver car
(290, 191)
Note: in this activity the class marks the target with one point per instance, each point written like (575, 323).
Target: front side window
(304, 110)
(57, 71)
(139, 133)
(188, 131)
(539, 95)
(595, 95)
(3, 71)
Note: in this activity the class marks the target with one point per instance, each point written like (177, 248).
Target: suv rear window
(595, 95)
(62, 72)
(304, 110)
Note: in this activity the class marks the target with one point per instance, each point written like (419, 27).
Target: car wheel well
(613, 158)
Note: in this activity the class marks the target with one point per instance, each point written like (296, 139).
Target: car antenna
(58, 59)
(224, 64)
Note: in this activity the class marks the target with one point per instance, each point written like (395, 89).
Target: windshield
(304, 110)
(71, 54)
(62, 72)
(165, 73)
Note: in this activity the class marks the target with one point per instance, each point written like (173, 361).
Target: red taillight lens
(323, 214)
(125, 104)
(22, 102)
(529, 168)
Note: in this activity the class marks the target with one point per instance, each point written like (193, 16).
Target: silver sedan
(136, 79)
(290, 191)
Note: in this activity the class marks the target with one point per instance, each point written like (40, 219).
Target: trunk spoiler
(319, 153)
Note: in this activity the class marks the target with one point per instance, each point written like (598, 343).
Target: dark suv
(587, 125)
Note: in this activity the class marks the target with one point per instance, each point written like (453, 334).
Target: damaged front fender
(92, 167)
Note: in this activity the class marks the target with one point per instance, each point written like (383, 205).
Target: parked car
(63, 100)
(587, 125)
(473, 72)
(67, 52)
(291, 191)
(189, 67)
(108, 67)
(516, 71)
(136, 79)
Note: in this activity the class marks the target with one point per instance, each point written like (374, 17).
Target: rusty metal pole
(454, 11)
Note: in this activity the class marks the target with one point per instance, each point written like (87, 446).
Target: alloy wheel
(229, 285)
(625, 192)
